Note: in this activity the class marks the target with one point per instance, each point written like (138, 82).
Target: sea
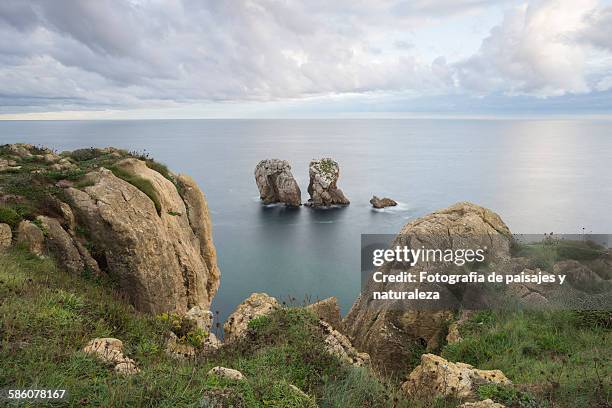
(539, 175)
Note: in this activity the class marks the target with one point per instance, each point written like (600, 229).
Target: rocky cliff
(106, 211)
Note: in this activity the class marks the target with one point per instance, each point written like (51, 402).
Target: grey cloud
(69, 54)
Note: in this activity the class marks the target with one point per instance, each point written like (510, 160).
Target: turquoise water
(540, 176)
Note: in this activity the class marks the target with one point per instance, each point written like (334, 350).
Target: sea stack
(324, 174)
(276, 183)
(384, 202)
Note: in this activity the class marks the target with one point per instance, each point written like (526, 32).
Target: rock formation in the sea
(387, 332)
(109, 211)
(276, 183)
(384, 202)
(436, 377)
(323, 189)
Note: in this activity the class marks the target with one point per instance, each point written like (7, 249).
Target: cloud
(120, 54)
(534, 51)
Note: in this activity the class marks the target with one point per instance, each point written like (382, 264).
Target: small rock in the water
(228, 373)
(382, 202)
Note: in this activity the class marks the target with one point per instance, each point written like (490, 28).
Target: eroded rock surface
(437, 377)
(339, 345)
(165, 260)
(228, 373)
(6, 236)
(256, 305)
(387, 331)
(110, 351)
(323, 188)
(328, 311)
(31, 236)
(276, 183)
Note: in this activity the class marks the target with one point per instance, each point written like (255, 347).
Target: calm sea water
(540, 176)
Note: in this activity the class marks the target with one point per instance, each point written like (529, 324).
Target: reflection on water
(540, 176)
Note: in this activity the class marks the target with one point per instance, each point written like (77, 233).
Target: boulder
(256, 305)
(20, 150)
(60, 244)
(323, 189)
(327, 310)
(164, 262)
(178, 350)
(6, 236)
(389, 331)
(488, 403)
(276, 183)
(31, 236)
(382, 202)
(227, 373)
(199, 318)
(110, 351)
(437, 377)
(337, 344)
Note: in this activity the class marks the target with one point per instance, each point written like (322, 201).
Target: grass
(546, 253)
(557, 356)
(140, 183)
(47, 316)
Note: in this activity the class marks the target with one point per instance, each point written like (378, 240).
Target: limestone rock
(227, 373)
(339, 345)
(488, 403)
(199, 318)
(21, 150)
(382, 202)
(178, 350)
(327, 310)
(165, 263)
(30, 235)
(323, 189)
(201, 224)
(6, 236)
(256, 305)
(60, 244)
(276, 183)
(437, 377)
(8, 165)
(110, 351)
(389, 331)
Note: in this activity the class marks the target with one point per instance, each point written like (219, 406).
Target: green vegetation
(563, 359)
(47, 316)
(140, 183)
(32, 187)
(544, 254)
(9, 216)
(327, 166)
(555, 359)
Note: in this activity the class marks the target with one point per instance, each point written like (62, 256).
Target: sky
(114, 59)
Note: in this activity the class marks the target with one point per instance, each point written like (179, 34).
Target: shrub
(9, 216)
(508, 396)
